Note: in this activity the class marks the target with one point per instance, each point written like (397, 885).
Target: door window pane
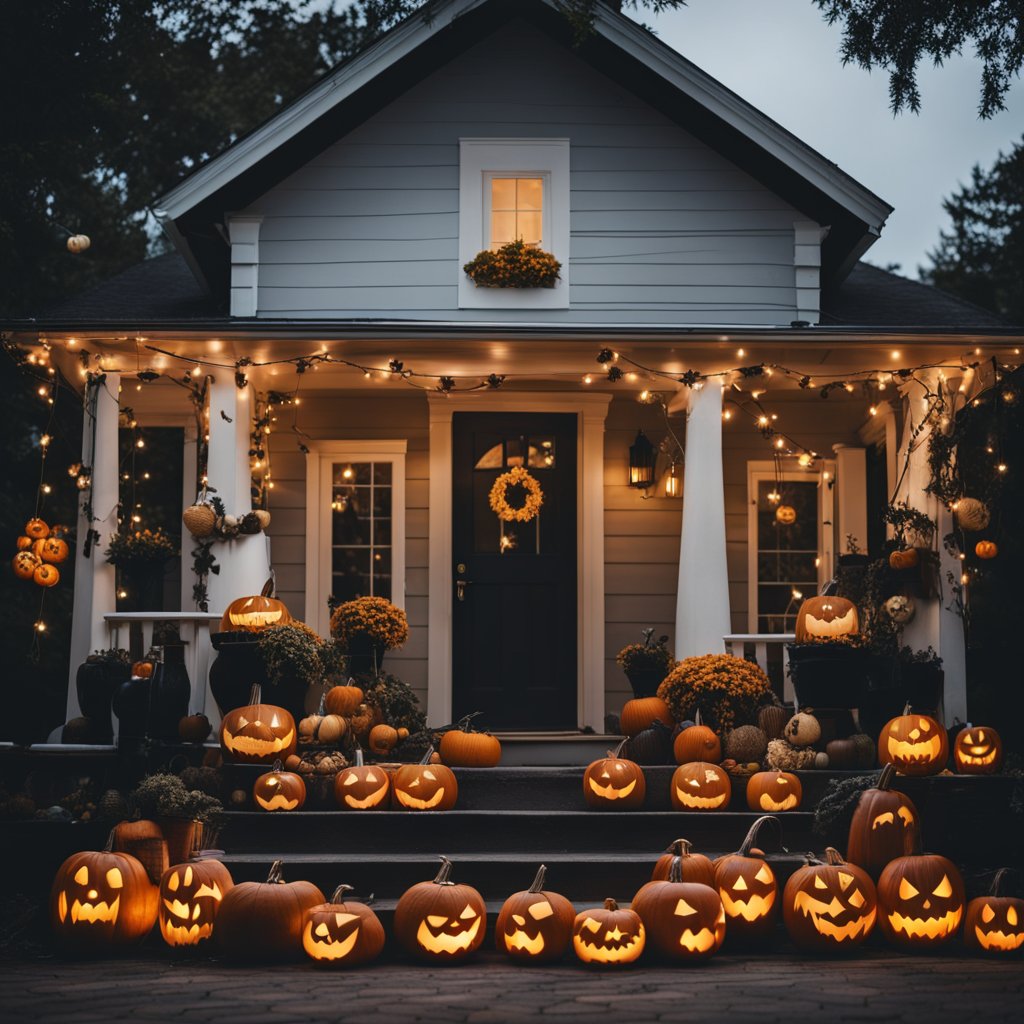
(361, 535)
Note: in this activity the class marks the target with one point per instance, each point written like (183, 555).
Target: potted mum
(140, 557)
(646, 664)
(725, 689)
(364, 629)
(515, 265)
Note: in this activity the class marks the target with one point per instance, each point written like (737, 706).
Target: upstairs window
(517, 210)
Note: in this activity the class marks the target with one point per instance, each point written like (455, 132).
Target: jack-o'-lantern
(53, 549)
(826, 617)
(256, 612)
(425, 786)
(916, 744)
(697, 742)
(363, 787)
(46, 575)
(774, 792)
(342, 933)
(608, 936)
(748, 888)
(101, 899)
(535, 925)
(24, 564)
(829, 906)
(279, 790)
(684, 920)
(994, 924)
(785, 515)
(343, 700)
(986, 549)
(699, 786)
(36, 529)
(263, 920)
(638, 713)
(693, 867)
(441, 921)
(190, 896)
(465, 748)
(614, 783)
(900, 608)
(920, 900)
(257, 733)
(978, 750)
(903, 558)
(885, 825)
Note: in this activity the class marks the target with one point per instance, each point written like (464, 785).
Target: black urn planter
(922, 684)
(96, 682)
(169, 693)
(828, 675)
(131, 705)
(883, 698)
(238, 666)
(645, 681)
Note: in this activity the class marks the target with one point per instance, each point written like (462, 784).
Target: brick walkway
(876, 987)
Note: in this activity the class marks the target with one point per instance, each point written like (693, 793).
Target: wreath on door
(499, 500)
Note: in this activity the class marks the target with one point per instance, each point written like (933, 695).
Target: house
(711, 285)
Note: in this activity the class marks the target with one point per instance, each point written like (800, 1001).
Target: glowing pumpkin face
(46, 575)
(190, 896)
(535, 925)
(279, 790)
(614, 783)
(52, 549)
(748, 889)
(978, 751)
(699, 786)
(102, 898)
(826, 617)
(885, 826)
(774, 791)
(829, 906)
(257, 733)
(36, 529)
(25, 564)
(362, 788)
(251, 614)
(608, 935)
(994, 924)
(786, 515)
(439, 920)
(342, 932)
(921, 900)
(915, 744)
(425, 787)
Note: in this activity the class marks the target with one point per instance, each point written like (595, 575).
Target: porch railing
(769, 651)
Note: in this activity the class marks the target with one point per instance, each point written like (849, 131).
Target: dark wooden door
(514, 607)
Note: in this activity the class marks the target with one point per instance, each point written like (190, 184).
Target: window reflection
(361, 534)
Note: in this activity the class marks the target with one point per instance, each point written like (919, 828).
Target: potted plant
(140, 557)
(514, 265)
(829, 671)
(726, 690)
(365, 629)
(184, 815)
(646, 664)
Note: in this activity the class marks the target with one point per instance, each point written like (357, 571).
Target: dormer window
(517, 210)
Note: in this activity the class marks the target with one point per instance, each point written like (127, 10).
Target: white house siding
(663, 229)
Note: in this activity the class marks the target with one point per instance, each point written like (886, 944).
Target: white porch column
(95, 593)
(852, 499)
(702, 598)
(245, 561)
(934, 625)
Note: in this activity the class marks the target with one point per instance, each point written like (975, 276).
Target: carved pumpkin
(263, 920)
(343, 700)
(279, 790)
(786, 515)
(256, 612)
(905, 558)
(693, 867)
(190, 896)
(534, 925)
(362, 787)
(36, 529)
(774, 792)
(53, 549)
(885, 826)
(747, 886)
(638, 713)
(425, 786)
(920, 900)
(684, 920)
(986, 549)
(440, 921)
(257, 733)
(829, 906)
(699, 786)
(994, 924)
(101, 899)
(464, 748)
(826, 617)
(916, 744)
(608, 936)
(614, 783)
(697, 743)
(46, 575)
(978, 750)
(343, 933)
(24, 564)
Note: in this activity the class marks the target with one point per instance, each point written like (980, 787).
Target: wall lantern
(642, 455)
(674, 480)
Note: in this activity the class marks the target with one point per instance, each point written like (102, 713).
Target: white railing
(737, 644)
(194, 630)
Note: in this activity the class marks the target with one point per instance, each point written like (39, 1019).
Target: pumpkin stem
(268, 588)
(610, 904)
(617, 752)
(997, 881)
(675, 870)
(885, 776)
(538, 881)
(833, 857)
(696, 717)
(464, 723)
(680, 848)
(359, 756)
(274, 875)
(339, 894)
(255, 693)
(751, 838)
(278, 765)
(442, 875)
(425, 759)
(110, 842)
(906, 708)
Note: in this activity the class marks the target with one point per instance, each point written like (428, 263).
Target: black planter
(645, 681)
(884, 697)
(131, 705)
(96, 681)
(828, 676)
(365, 662)
(922, 684)
(238, 666)
(169, 694)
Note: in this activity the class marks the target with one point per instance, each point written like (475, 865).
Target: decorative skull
(900, 608)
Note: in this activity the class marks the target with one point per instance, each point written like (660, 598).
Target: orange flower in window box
(515, 265)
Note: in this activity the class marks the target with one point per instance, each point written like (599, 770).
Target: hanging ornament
(78, 243)
(786, 515)
(972, 515)
(199, 519)
(986, 549)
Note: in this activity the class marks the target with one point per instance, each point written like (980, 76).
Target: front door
(514, 609)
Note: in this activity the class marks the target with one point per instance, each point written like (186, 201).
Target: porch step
(554, 749)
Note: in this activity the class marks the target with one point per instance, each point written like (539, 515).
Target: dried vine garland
(499, 501)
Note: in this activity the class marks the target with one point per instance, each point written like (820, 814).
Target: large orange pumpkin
(342, 933)
(915, 744)
(190, 897)
(362, 787)
(774, 792)
(693, 867)
(425, 786)
(256, 612)
(885, 825)
(638, 713)
(920, 900)
(699, 786)
(614, 783)
(748, 887)
(826, 617)
(994, 924)
(533, 925)
(257, 733)
(465, 748)
(978, 750)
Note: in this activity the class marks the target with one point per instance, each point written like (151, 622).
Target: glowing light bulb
(587, 379)
(873, 410)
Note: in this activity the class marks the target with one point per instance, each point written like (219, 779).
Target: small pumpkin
(638, 713)
(920, 900)
(608, 935)
(697, 743)
(748, 888)
(24, 543)
(535, 925)
(325, 729)
(194, 728)
(693, 867)
(464, 748)
(802, 730)
(826, 617)
(978, 750)
(994, 924)
(342, 933)
(383, 739)
(916, 744)
(986, 549)
(903, 558)
(46, 575)
(53, 549)
(256, 612)
(425, 786)
(699, 786)
(774, 792)
(257, 733)
(24, 564)
(190, 897)
(362, 787)
(36, 528)
(885, 826)
(771, 720)
(441, 921)
(614, 783)
(78, 243)
(142, 669)
(343, 700)
(279, 790)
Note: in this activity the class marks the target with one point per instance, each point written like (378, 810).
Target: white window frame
(760, 472)
(322, 455)
(481, 160)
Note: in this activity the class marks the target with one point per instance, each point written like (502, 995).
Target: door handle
(460, 589)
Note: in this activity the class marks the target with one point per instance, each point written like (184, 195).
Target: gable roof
(193, 211)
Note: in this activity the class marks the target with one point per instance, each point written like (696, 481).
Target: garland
(499, 502)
